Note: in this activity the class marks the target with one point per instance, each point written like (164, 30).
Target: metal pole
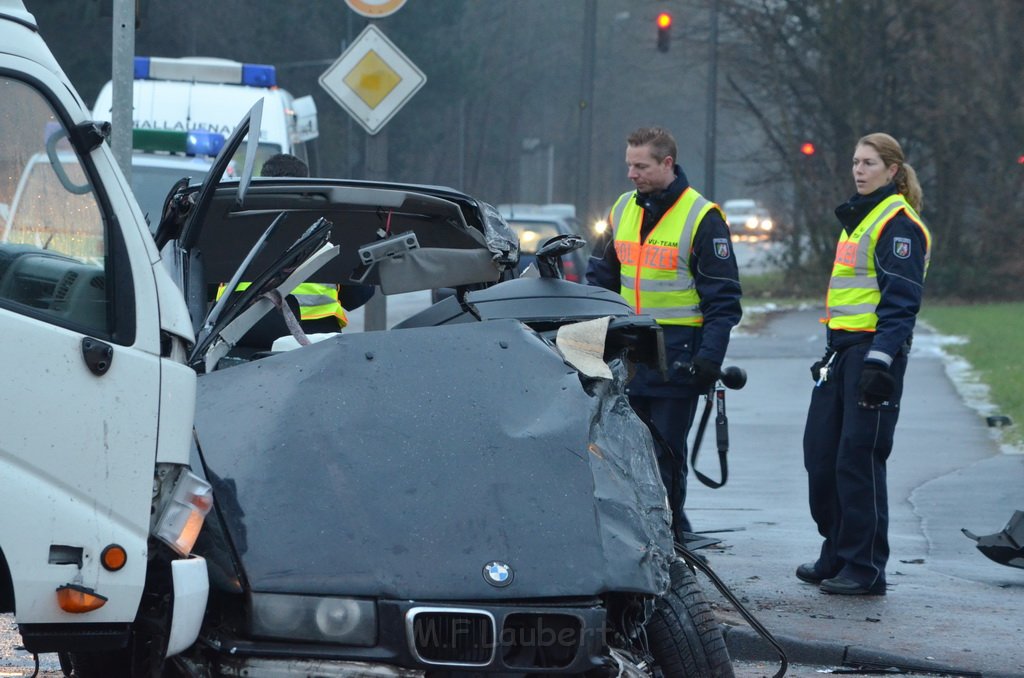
(586, 109)
(551, 174)
(461, 164)
(375, 314)
(709, 144)
(122, 75)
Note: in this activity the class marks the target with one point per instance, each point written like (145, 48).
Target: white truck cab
(100, 509)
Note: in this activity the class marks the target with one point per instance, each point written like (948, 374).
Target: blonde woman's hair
(892, 154)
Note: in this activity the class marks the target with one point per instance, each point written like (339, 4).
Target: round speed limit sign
(375, 9)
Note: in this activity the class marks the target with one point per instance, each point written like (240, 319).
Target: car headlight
(751, 223)
(345, 621)
(766, 224)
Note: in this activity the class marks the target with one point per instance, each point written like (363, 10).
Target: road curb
(744, 643)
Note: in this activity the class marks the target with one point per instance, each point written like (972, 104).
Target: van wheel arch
(6, 585)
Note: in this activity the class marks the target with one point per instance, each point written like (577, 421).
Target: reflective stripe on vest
(316, 300)
(853, 293)
(655, 275)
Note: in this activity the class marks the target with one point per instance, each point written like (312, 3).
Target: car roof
(16, 9)
(172, 161)
(279, 231)
(363, 213)
(740, 203)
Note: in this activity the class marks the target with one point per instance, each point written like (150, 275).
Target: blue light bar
(202, 142)
(141, 68)
(259, 75)
(205, 69)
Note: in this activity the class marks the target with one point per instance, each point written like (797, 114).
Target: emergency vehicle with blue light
(203, 93)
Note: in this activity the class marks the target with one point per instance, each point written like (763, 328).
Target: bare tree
(829, 72)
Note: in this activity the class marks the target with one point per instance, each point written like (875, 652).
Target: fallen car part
(1005, 547)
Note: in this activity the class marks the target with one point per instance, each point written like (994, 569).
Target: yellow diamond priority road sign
(372, 80)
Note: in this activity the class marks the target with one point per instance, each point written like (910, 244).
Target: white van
(202, 93)
(100, 508)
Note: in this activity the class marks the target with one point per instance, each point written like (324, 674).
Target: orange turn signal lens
(113, 557)
(78, 599)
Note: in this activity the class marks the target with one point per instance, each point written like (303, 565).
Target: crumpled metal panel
(398, 464)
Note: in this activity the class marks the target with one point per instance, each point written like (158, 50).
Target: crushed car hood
(400, 464)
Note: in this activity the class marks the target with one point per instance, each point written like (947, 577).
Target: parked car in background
(536, 224)
(748, 219)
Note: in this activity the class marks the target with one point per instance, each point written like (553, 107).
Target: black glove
(816, 369)
(705, 373)
(876, 385)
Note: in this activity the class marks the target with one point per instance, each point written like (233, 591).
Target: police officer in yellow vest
(872, 303)
(668, 252)
(320, 309)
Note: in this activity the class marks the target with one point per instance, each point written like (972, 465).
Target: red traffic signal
(807, 148)
(664, 23)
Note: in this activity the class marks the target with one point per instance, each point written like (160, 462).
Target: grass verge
(994, 348)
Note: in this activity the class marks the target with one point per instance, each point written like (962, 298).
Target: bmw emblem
(497, 573)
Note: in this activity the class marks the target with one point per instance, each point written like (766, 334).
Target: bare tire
(684, 637)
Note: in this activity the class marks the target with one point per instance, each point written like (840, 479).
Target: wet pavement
(948, 609)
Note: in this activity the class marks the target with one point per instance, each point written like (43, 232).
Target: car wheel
(684, 637)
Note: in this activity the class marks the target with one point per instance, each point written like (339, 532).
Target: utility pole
(586, 109)
(375, 312)
(709, 142)
(122, 76)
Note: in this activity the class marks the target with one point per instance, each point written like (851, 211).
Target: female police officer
(872, 303)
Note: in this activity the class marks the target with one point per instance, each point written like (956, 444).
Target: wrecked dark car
(467, 493)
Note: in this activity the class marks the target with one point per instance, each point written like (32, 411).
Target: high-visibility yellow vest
(853, 293)
(316, 300)
(655, 276)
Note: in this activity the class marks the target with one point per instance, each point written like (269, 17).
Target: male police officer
(668, 252)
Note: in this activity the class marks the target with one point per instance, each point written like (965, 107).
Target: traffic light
(807, 148)
(664, 22)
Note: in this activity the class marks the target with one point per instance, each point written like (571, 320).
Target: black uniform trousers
(846, 446)
(671, 419)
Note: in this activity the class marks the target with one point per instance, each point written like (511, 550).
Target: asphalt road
(948, 608)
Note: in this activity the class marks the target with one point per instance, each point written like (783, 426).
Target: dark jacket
(717, 282)
(900, 278)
